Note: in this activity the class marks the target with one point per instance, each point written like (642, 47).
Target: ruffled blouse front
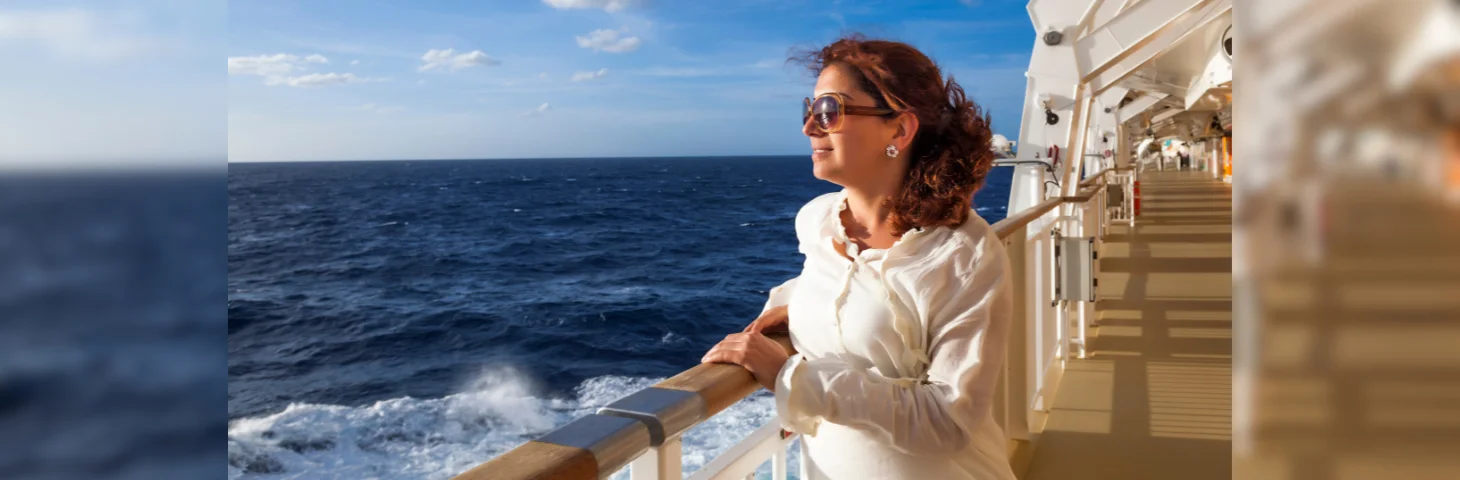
(898, 350)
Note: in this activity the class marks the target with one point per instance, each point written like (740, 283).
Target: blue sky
(348, 79)
(375, 79)
(112, 82)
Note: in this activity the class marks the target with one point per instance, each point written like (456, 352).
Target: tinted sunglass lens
(827, 112)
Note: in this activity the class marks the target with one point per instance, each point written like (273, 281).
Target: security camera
(1053, 37)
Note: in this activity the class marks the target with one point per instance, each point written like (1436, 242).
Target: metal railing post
(805, 468)
(778, 465)
(671, 459)
(1016, 365)
(646, 467)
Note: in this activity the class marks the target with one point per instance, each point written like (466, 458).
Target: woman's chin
(822, 170)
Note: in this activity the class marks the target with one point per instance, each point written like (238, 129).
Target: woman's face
(855, 154)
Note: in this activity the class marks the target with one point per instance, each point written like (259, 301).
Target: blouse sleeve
(780, 294)
(968, 303)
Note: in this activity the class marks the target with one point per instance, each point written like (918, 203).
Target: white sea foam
(411, 438)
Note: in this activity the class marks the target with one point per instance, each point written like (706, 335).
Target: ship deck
(1153, 398)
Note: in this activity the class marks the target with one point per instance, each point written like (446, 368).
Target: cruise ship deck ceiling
(1180, 90)
(1359, 60)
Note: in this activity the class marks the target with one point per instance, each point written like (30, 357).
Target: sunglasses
(830, 109)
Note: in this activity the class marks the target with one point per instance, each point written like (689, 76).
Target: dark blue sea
(411, 319)
(111, 329)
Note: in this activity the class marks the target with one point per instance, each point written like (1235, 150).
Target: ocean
(411, 319)
(111, 329)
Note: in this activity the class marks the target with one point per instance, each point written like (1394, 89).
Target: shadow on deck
(1153, 400)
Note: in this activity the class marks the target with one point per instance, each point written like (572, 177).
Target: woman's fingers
(730, 350)
(760, 355)
(776, 319)
(723, 355)
(717, 354)
(773, 320)
(759, 325)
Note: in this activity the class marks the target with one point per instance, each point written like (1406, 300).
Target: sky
(375, 79)
(124, 81)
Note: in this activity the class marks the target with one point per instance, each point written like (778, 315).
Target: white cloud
(271, 65)
(581, 76)
(317, 80)
(449, 59)
(541, 109)
(606, 5)
(769, 63)
(971, 3)
(609, 41)
(281, 69)
(80, 33)
(542, 75)
(354, 62)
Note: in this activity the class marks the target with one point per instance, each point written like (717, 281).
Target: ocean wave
(411, 438)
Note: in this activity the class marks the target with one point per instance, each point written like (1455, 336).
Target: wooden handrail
(1009, 225)
(720, 385)
(1083, 196)
(1096, 178)
(536, 459)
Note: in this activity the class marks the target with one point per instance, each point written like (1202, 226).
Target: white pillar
(1052, 79)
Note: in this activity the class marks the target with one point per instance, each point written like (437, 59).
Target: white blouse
(898, 350)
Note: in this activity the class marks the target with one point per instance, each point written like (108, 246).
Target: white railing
(769, 443)
(642, 431)
(662, 462)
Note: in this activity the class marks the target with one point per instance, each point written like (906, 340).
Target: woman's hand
(757, 353)
(775, 320)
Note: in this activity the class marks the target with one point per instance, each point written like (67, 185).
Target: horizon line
(513, 158)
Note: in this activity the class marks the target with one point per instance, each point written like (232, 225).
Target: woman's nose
(810, 129)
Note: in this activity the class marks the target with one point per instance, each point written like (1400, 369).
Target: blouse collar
(832, 226)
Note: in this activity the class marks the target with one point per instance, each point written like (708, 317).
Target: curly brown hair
(951, 153)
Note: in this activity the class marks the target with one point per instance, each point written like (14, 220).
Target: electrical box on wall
(1077, 269)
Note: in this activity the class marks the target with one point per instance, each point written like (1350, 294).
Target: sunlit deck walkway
(1153, 401)
(1359, 370)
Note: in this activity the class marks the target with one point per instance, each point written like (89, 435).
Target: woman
(902, 308)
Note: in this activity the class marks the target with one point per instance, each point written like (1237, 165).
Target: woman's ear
(907, 128)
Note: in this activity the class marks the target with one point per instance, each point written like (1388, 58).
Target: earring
(892, 151)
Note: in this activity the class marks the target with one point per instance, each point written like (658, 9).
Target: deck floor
(1153, 400)
(1357, 372)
